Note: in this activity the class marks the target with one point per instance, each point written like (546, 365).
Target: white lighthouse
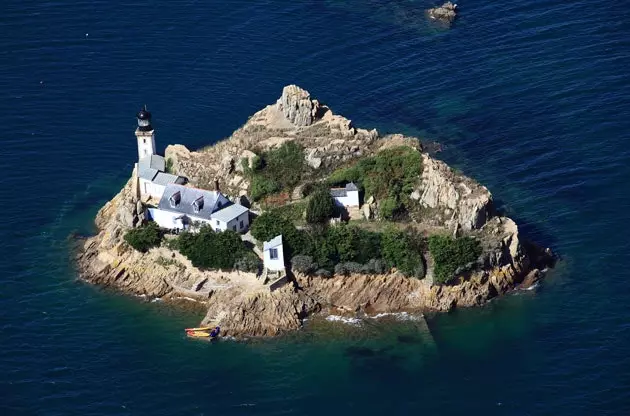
(145, 134)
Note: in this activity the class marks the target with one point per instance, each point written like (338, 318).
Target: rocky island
(420, 236)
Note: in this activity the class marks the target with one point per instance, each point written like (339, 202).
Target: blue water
(532, 98)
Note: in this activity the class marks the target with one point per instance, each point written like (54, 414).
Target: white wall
(277, 264)
(165, 219)
(146, 144)
(237, 222)
(149, 188)
(351, 200)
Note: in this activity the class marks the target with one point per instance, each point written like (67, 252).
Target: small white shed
(347, 196)
(273, 254)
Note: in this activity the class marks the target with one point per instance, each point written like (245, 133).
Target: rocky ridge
(237, 301)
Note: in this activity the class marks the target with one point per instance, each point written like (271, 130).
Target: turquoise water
(531, 98)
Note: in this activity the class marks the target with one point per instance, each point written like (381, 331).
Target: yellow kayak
(198, 334)
(202, 328)
(203, 332)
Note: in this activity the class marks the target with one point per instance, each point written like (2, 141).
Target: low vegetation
(208, 249)
(347, 249)
(389, 176)
(271, 224)
(291, 212)
(145, 237)
(450, 254)
(320, 207)
(275, 170)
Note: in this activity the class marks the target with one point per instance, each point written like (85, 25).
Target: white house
(273, 254)
(182, 207)
(347, 196)
(152, 177)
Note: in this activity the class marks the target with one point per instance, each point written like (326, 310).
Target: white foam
(400, 316)
(344, 320)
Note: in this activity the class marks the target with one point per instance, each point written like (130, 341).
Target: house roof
(153, 161)
(187, 197)
(273, 243)
(342, 192)
(228, 213)
(165, 178)
(147, 173)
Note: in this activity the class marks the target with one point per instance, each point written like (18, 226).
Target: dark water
(530, 97)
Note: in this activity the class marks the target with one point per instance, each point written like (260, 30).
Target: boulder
(445, 13)
(367, 211)
(312, 160)
(297, 106)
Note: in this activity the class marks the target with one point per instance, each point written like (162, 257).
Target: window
(241, 225)
(218, 223)
(198, 204)
(234, 227)
(273, 253)
(144, 141)
(217, 230)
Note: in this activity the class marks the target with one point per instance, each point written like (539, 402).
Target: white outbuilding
(347, 196)
(273, 254)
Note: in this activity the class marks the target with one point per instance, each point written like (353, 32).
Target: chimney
(216, 185)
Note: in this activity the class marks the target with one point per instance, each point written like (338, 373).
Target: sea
(531, 98)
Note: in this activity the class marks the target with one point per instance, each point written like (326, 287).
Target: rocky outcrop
(297, 107)
(446, 13)
(458, 199)
(241, 303)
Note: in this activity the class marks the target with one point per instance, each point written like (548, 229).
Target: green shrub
(345, 175)
(291, 212)
(168, 168)
(270, 224)
(248, 263)
(285, 164)
(374, 266)
(326, 274)
(320, 207)
(389, 176)
(347, 268)
(402, 251)
(145, 237)
(212, 250)
(450, 254)
(303, 264)
(343, 243)
(262, 186)
(388, 207)
(275, 170)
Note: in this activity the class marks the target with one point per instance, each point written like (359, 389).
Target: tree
(320, 207)
(270, 224)
(145, 237)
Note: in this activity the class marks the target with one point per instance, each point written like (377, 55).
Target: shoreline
(245, 307)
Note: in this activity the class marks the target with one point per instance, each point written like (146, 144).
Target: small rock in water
(445, 13)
